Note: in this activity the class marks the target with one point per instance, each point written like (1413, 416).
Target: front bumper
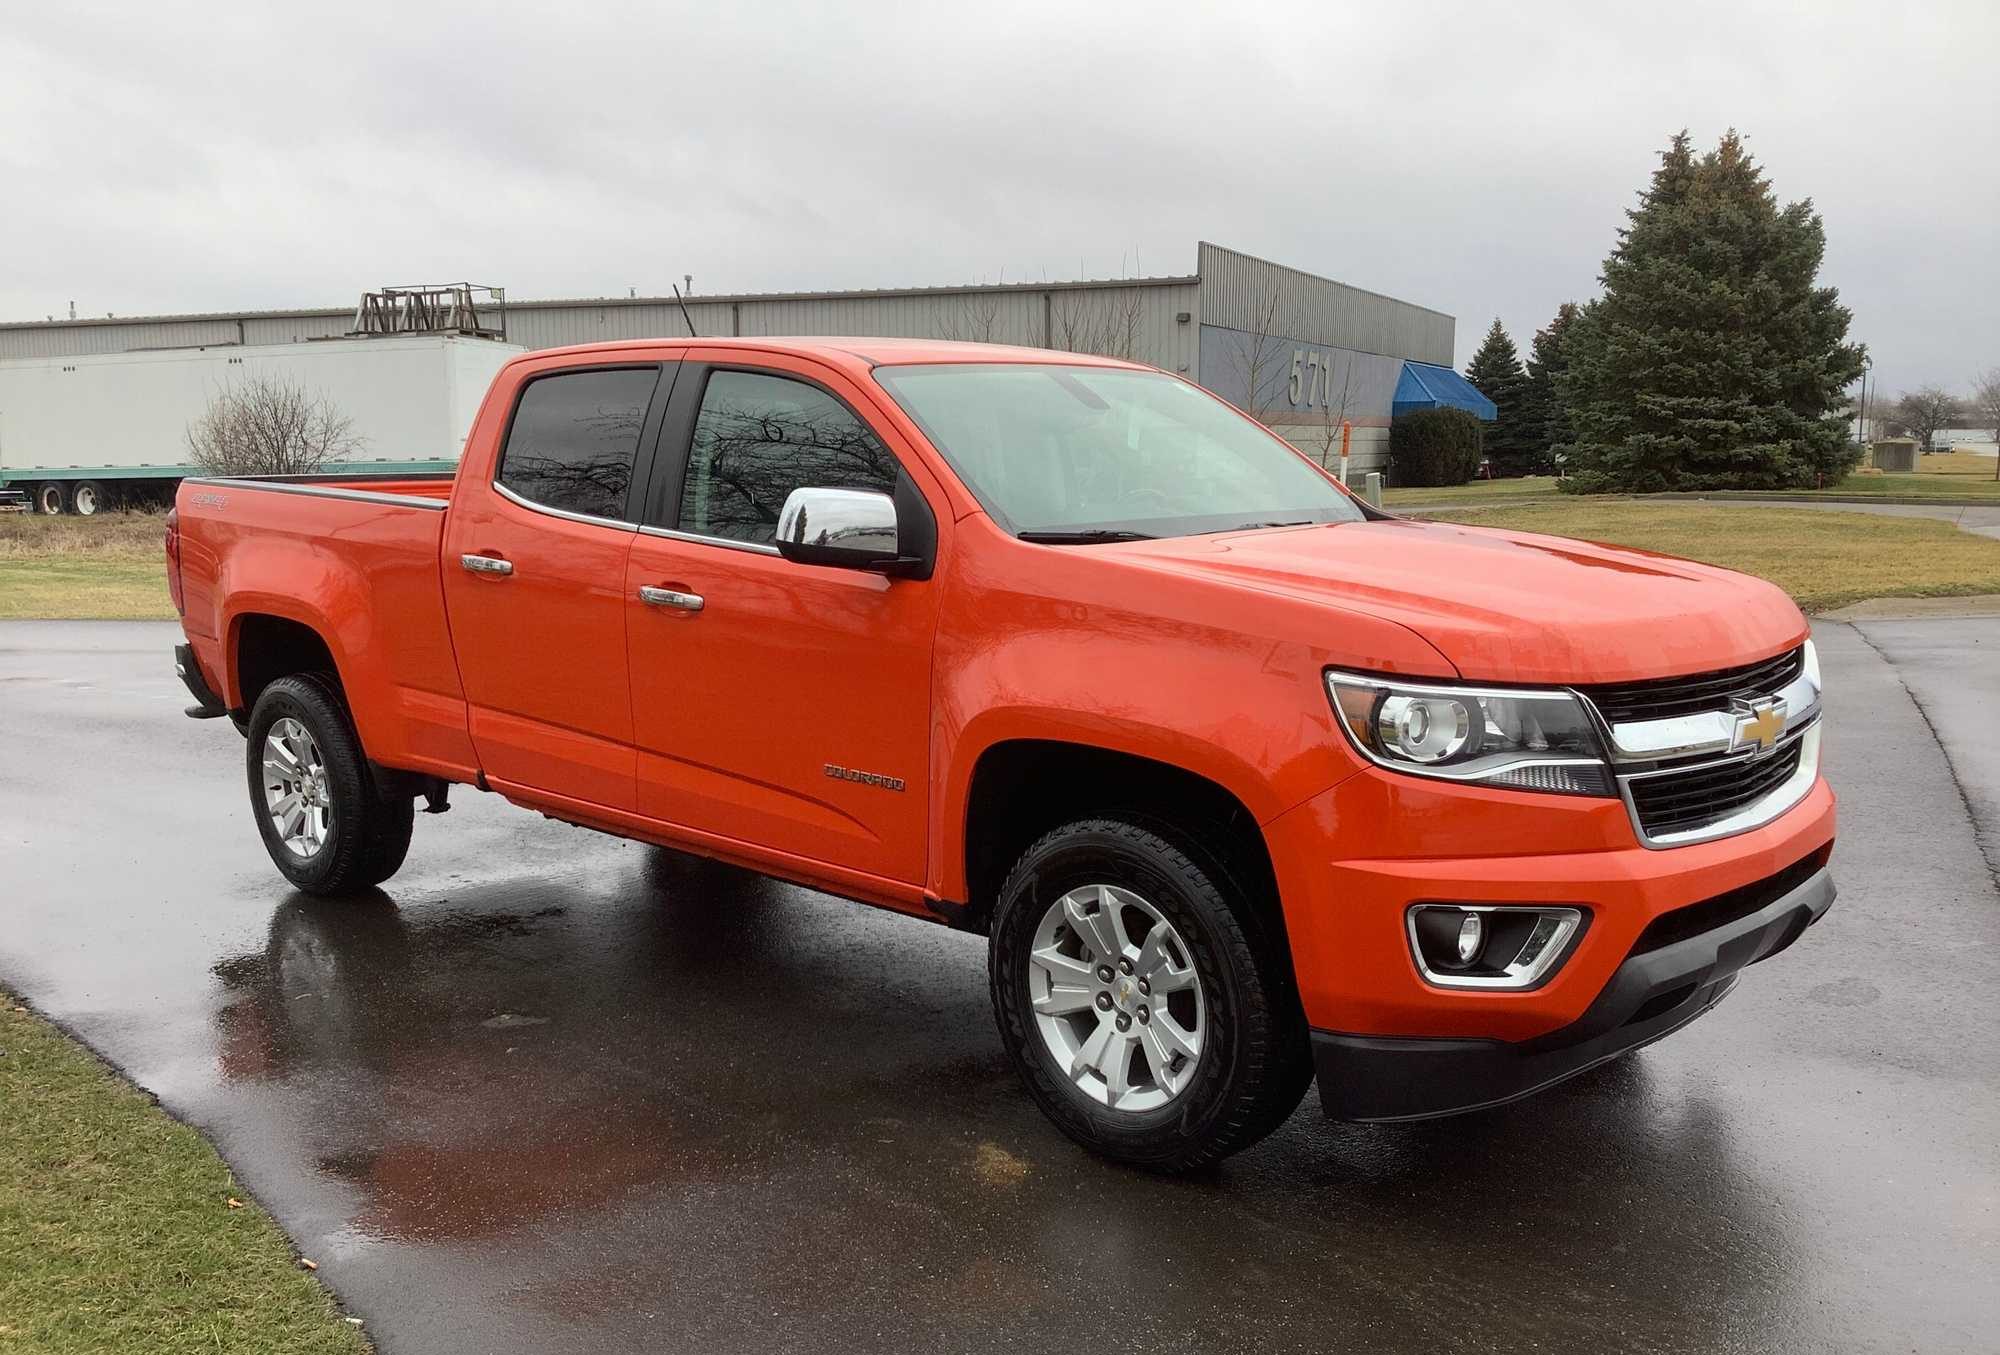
(1653, 993)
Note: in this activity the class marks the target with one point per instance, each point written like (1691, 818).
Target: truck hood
(1506, 606)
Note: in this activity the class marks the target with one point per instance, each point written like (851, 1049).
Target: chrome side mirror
(850, 528)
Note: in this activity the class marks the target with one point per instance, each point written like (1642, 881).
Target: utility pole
(1861, 428)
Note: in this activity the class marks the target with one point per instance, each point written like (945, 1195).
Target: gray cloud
(1478, 159)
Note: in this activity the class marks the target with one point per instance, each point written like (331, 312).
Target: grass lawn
(108, 567)
(1526, 486)
(1944, 475)
(1822, 559)
(1947, 475)
(116, 1229)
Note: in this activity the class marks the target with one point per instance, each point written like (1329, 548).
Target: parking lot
(556, 1091)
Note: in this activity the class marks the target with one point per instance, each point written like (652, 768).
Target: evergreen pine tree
(1496, 370)
(1712, 361)
(1546, 411)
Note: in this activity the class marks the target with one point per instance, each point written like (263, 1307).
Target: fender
(1083, 648)
(383, 625)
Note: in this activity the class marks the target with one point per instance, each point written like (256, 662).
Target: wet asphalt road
(553, 1091)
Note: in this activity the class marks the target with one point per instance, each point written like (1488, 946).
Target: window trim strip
(587, 519)
(696, 538)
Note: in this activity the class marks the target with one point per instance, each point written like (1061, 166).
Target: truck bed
(355, 558)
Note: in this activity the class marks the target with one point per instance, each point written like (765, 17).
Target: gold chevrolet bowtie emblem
(1762, 726)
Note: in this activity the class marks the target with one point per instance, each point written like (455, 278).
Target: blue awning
(1423, 386)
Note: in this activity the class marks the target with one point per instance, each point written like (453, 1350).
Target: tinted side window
(575, 437)
(756, 439)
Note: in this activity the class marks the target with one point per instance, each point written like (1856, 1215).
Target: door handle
(486, 564)
(667, 597)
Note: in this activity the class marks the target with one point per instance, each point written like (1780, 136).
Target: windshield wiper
(1259, 526)
(1084, 535)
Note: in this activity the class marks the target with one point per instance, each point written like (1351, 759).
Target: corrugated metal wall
(61, 340)
(1245, 293)
(1137, 320)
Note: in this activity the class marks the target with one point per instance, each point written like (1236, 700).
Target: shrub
(1434, 447)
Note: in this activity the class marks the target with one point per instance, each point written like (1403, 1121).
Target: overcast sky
(1476, 158)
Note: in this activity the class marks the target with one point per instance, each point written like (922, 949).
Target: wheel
(49, 499)
(324, 820)
(86, 499)
(1145, 1019)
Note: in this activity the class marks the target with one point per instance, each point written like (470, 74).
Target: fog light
(1491, 946)
(1471, 933)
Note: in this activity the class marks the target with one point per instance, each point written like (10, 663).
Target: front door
(779, 705)
(534, 578)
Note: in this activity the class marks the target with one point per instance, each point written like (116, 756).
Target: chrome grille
(1682, 801)
(1686, 751)
(1662, 698)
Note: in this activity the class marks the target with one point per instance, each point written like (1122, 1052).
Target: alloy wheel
(1116, 998)
(296, 792)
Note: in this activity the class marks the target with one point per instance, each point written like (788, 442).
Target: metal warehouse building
(1304, 353)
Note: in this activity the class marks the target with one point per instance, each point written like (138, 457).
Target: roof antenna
(684, 312)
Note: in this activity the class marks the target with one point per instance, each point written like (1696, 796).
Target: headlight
(1524, 739)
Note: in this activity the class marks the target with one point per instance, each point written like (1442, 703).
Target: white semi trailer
(82, 434)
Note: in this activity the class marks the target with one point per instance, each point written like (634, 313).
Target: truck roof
(862, 353)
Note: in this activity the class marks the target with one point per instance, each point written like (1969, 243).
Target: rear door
(534, 578)
(779, 705)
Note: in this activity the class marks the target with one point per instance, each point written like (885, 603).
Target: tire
(87, 499)
(348, 835)
(49, 499)
(1251, 1064)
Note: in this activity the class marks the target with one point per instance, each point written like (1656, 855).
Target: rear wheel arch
(265, 647)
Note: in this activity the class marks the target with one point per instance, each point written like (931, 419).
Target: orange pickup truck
(1244, 780)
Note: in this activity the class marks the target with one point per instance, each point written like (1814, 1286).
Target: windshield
(1070, 453)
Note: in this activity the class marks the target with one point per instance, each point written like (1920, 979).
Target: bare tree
(1986, 405)
(1076, 322)
(1106, 321)
(1925, 410)
(1123, 312)
(1327, 443)
(269, 425)
(974, 317)
(1259, 348)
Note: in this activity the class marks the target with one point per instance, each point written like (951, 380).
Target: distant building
(1304, 353)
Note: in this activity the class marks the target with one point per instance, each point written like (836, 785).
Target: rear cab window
(574, 440)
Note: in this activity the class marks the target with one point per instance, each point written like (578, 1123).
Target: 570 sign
(1312, 378)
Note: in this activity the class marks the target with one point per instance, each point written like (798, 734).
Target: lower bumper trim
(1375, 1078)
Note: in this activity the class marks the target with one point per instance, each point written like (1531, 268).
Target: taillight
(174, 559)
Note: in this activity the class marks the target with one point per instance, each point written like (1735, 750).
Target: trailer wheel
(49, 499)
(86, 499)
